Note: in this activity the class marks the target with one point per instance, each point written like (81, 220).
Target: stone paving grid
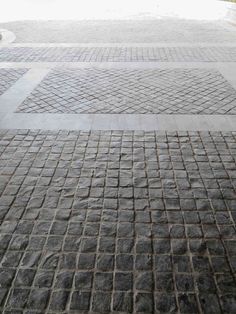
(118, 54)
(112, 91)
(122, 221)
(8, 77)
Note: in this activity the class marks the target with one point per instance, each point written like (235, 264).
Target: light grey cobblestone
(117, 222)
(181, 91)
(8, 77)
(118, 54)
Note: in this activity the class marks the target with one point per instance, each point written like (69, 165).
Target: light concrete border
(7, 37)
(125, 44)
(145, 122)
(17, 93)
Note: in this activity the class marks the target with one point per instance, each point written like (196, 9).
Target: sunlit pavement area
(117, 157)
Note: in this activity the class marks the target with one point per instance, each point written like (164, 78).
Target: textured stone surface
(133, 30)
(181, 91)
(110, 222)
(118, 54)
(8, 77)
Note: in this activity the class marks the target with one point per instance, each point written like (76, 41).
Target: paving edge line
(146, 122)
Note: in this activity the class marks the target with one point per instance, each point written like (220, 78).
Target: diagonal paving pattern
(8, 77)
(173, 91)
(117, 221)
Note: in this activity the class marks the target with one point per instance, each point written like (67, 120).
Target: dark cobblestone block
(80, 301)
(59, 300)
(101, 302)
(18, 298)
(188, 303)
(144, 302)
(123, 281)
(165, 303)
(38, 299)
(123, 301)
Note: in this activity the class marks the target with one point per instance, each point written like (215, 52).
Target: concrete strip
(119, 122)
(17, 93)
(152, 44)
(226, 66)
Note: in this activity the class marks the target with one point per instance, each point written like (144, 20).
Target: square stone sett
(161, 246)
(197, 246)
(68, 261)
(11, 259)
(44, 279)
(143, 230)
(107, 245)
(123, 302)
(6, 277)
(124, 262)
(58, 300)
(215, 247)
(143, 245)
(54, 243)
(220, 264)
(101, 302)
(63, 280)
(125, 245)
(226, 283)
(164, 281)
(24, 278)
(123, 281)
(209, 307)
(228, 302)
(38, 299)
(179, 246)
(162, 263)
(103, 281)
(177, 231)
(18, 298)
(30, 259)
(188, 303)
(165, 303)
(105, 262)
(143, 262)
(83, 280)
(86, 261)
(88, 245)
(108, 230)
(181, 263)
(194, 231)
(125, 230)
(72, 244)
(144, 302)
(80, 301)
(110, 215)
(184, 282)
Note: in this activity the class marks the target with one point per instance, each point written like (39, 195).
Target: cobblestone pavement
(91, 90)
(8, 77)
(127, 222)
(122, 31)
(118, 54)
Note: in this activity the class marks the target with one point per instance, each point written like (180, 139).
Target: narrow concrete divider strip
(17, 93)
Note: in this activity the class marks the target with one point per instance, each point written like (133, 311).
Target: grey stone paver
(168, 91)
(118, 54)
(8, 77)
(117, 222)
